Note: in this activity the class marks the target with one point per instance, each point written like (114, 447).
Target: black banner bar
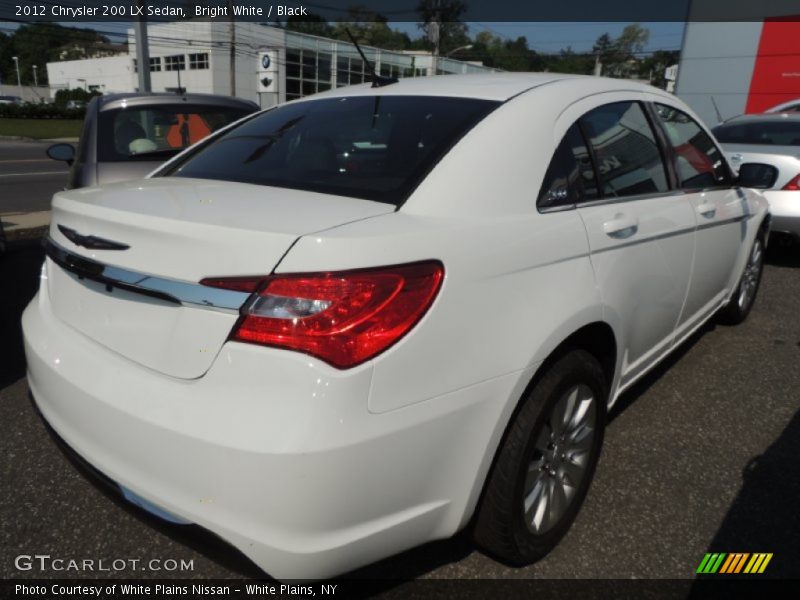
(266, 11)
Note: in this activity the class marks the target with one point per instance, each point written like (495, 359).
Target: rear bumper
(784, 207)
(273, 451)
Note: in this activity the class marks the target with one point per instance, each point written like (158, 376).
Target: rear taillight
(343, 318)
(793, 185)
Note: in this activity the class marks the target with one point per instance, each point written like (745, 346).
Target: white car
(344, 326)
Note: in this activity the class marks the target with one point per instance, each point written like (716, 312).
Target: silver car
(770, 144)
(126, 136)
(791, 106)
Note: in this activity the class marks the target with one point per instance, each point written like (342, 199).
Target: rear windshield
(158, 132)
(370, 147)
(774, 133)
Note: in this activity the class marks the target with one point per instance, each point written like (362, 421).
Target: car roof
(784, 105)
(761, 118)
(139, 99)
(484, 86)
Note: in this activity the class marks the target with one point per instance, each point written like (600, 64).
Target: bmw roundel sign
(267, 74)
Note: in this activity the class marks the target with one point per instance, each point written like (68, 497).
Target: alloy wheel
(560, 459)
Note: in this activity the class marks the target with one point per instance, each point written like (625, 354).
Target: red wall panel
(776, 75)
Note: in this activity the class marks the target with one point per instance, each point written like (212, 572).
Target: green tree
(653, 67)
(40, 43)
(509, 55)
(312, 24)
(618, 56)
(632, 40)
(447, 13)
(604, 50)
(6, 66)
(371, 29)
(569, 61)
(64, 96)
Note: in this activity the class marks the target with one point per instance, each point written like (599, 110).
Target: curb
(17, 227)
(20, 138)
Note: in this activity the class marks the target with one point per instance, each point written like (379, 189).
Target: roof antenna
(716, 110)
(377, 80)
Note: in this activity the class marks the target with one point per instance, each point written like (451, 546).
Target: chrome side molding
(182, 293)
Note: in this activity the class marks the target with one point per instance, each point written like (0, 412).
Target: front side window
(371, 147)
(570, 178)
(698, 161)
(158, 132)
(627, 156)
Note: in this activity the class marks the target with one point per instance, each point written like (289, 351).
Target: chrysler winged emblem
(91, 241)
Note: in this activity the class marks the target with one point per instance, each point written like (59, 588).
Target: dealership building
(273, 65)
(727, 69)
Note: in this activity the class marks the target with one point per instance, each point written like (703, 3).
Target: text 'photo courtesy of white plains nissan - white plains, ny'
(365, 320)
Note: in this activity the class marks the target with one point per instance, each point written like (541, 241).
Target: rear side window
(371, 147)
(698, 161)
(765, 133)
(626, 153)
(570, 178)
(158, 132)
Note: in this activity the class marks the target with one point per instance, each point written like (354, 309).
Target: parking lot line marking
(34, 173)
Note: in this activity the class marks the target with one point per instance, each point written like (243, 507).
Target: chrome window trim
(181, 293)
(632, 198)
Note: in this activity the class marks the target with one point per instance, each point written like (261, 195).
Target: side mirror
(757, 175)
(65, 152)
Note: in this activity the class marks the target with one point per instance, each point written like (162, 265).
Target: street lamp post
(467, 47)
(35, 79)
(16, 62)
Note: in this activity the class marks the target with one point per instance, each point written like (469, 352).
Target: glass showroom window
(198, 61)
(349, 71)
(307, 72)
(390, 70)
(175, 63)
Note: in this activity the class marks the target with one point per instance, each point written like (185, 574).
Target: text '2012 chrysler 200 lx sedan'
(344, 326)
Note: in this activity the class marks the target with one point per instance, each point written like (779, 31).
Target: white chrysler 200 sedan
(364, 320)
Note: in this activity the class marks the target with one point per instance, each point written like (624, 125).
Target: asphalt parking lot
(28, 178)
(703, 455)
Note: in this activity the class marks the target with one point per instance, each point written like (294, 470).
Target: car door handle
(707, 209)
(621, 226)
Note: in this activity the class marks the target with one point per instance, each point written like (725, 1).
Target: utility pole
(598, 66)
(142, 50)
(19, 81)
(233, 50)
(434, 34)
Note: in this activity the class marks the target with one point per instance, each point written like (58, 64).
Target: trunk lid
(177, 230)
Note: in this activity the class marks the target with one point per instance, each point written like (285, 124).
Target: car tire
(743, 298)
(543, 470)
